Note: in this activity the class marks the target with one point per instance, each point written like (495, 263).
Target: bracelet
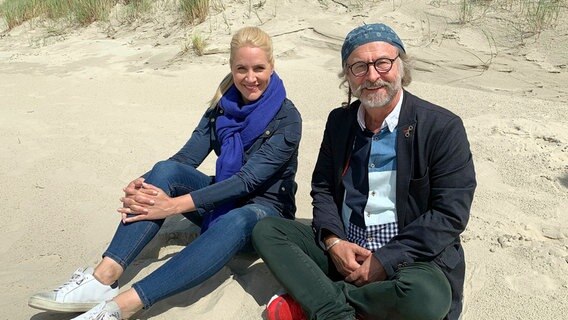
(336, 241)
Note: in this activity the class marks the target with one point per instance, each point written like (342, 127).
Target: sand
(85, 110)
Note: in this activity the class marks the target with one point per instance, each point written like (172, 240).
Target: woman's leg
(175, 179)
(205, 256)
(302, 267)
(86, 288)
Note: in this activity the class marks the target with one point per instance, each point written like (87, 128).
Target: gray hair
(406, 64)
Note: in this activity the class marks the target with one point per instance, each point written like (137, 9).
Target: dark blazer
(435, 187)
(266, 177)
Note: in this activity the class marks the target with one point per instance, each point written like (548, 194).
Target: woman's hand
(348, 257)
(133, 186)
(143, 201)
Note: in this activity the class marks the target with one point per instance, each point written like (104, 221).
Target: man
(392, 190)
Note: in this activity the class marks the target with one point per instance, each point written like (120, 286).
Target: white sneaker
(107, 310)
(81, 293)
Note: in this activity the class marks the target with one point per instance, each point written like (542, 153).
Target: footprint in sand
(532, 282)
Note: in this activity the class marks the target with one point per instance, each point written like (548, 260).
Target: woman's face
(251, 72)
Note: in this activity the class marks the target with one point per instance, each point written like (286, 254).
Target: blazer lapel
(405, 138)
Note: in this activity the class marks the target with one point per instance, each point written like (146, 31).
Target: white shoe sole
(50, 305)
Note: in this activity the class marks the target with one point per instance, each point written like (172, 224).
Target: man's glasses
(382, 65)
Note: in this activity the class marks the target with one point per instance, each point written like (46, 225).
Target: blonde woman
(255, 131)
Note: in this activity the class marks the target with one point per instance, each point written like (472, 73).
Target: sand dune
(84, 111)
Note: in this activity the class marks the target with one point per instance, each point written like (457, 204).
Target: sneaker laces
(105, 315)
(101, 312)
(76, 279)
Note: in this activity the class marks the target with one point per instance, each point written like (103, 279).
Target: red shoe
(284, 307)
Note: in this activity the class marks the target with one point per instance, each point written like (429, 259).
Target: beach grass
(194, 11)
(531, 16)
(135, 9)
(85, 12)
(198, 44)
(541, 14)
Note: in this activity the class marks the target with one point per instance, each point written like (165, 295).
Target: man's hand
(146, 203)
(347, 256)
(370, 271)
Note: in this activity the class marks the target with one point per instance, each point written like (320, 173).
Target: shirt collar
(391, 120)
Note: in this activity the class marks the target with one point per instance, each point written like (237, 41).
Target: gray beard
(377, 100)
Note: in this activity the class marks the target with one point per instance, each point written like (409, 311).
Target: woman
(255, 131)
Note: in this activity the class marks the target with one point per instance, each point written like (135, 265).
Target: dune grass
(198, 44)
(526, 17)
(541, 14)
(135, 9)
(16, 12)
(532, 16)
(85, 12)
(194, 11)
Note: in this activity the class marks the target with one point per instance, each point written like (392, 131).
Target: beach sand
(83, 111)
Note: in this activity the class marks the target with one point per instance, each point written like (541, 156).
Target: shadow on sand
(246, 268)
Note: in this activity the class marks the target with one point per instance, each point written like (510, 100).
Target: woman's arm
(260, 167)
(198, 146)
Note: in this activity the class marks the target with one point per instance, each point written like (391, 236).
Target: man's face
(374, 89)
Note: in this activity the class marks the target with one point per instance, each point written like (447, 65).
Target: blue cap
(369, 33)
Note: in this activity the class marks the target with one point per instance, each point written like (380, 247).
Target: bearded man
(392, 191)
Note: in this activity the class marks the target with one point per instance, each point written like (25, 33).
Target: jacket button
(283, 189)
(267, 132)
(212, 119)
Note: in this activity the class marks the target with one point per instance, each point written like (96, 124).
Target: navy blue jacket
(266, 177)
(435, 184)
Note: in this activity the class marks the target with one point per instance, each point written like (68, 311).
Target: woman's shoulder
(289, 110)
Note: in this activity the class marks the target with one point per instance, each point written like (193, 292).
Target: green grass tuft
(530, 16)
(89, 11)
(198, 44)
(82, 12)
(540, 14)
(17, 12)
(194, 11)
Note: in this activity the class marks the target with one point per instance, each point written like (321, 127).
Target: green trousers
(419, 291)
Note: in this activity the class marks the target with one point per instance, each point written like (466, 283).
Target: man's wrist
(332, 242)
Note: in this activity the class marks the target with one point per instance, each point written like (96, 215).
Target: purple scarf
(238, 128)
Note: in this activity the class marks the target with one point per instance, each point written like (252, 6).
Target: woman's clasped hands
(143, 201)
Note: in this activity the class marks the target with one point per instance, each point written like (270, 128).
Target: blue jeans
(203, 257)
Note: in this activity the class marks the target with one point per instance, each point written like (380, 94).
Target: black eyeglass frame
(374, 63)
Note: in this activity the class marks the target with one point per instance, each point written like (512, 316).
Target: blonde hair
(406, 64)
(245, 37)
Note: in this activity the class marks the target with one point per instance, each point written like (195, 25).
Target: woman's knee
(238, 220)
(168, 173)
(165, 168)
